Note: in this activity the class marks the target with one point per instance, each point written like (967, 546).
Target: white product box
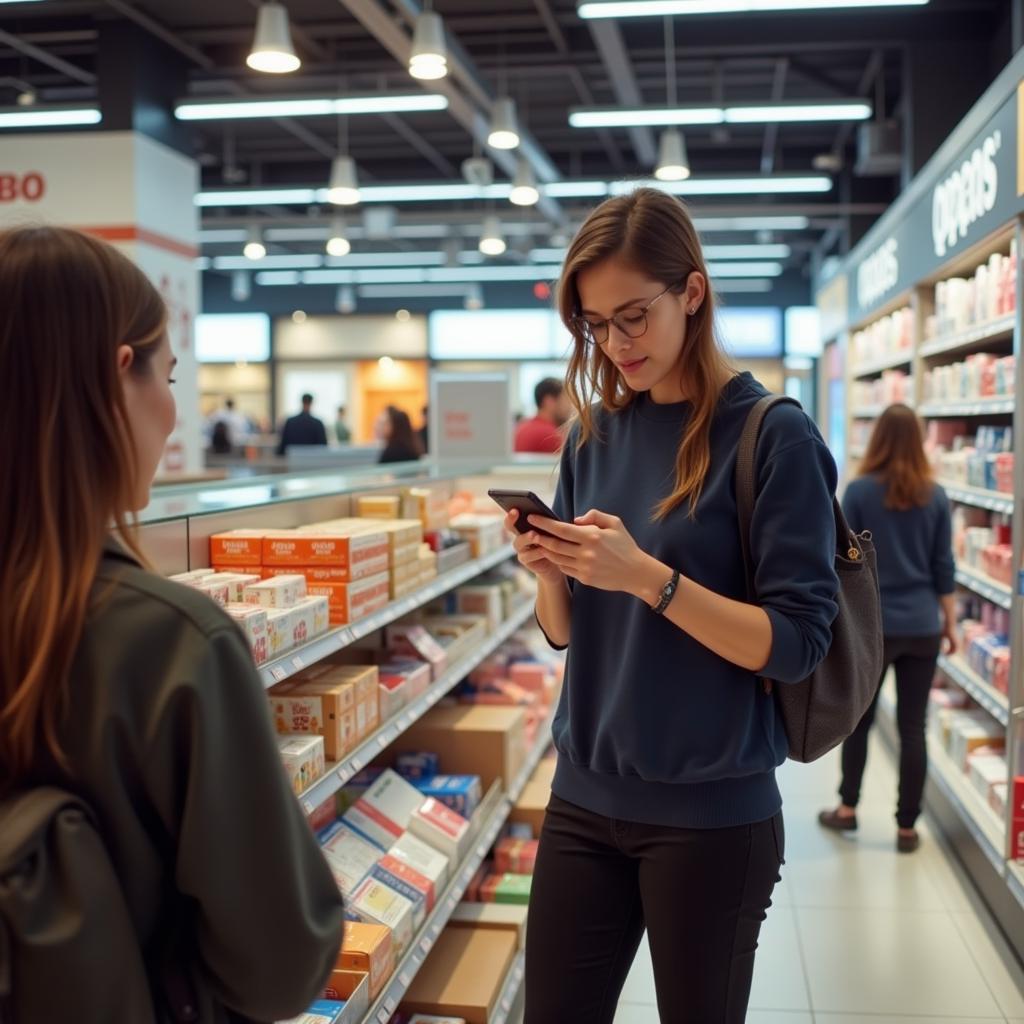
(482, 599)
(277, 592)
(987, 771)
(441, 828)
(193, 577)
(310, 618)
(376, 903)
(252, 620)
(280, 632)
(382, 814)
(303, 759)
(236, 582)
(219, 592)
(421, 857)
(351, 859)
(392, 696)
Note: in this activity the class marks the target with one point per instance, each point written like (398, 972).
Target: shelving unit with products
(936, 295)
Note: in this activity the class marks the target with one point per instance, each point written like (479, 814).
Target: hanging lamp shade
(474, 298)
(343, 189)
(241, 286)
(337, 242)
(492, 241)
(254, 247)
(673, 162)
(345, 300)
(428, 60)
(504, 125)
(524, 187)
(272, 51)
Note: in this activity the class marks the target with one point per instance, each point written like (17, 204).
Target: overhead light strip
(314, 261)
(48, 117)
(754, 113)
(308, 106)
(663, 8)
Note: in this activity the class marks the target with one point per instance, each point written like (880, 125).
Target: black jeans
(701, 894)
(914, 658)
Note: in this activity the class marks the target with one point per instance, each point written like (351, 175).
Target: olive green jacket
(170, 739)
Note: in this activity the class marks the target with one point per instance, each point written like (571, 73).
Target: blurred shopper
(134, 695)
(341, 427)
(220, 439)
(896, 498)
(394, 429)
(543, 433)
(665, 812)
(302, 429)
(237, 426)
(423, 434)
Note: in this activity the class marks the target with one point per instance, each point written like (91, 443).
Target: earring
(693, 312)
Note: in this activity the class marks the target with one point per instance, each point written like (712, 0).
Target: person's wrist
(649, 580)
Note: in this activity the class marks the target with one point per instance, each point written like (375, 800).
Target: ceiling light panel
(752, 113)
(48, 117)
(308, 106)
(756, 223)
(663, 8)
(767, 269)
(747, 252)
(633, 117)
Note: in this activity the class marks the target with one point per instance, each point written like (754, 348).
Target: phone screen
(526, 503)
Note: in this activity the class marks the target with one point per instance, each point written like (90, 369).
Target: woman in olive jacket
(135, 693)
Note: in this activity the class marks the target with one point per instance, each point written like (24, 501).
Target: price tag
(343, 774)
(405, 979)
(382, 742)
(298, 663)
(307, 806)
(425, 945)
(481, 851)
(390, 1005)
(383, 1016)
(506, 1005)
(435, 929)
(346, 637)
(452, 904)
(279, 673)
(357, 764)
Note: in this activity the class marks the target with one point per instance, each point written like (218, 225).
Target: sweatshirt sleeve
(793, 545)
(269, 915)
(564, 507)
(942, 553)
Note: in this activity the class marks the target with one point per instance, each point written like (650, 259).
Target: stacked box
(280, 592)
(461, 793)
(507, 888)
(385, 810)
(317, 704)
(516, 856)
(252, 621)
(368, 949)
(351, 858)
(442, 828)
(303, 760)
(397, 876)
(349, 602)
(376, 903)
(423, 859)
(237, 548)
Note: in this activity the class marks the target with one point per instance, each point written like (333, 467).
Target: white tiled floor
(860, 934)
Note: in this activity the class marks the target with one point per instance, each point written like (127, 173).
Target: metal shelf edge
(879, 365)
(993, 501)
(991, 590)
(980, 407)
(510, 989)
(987, 696)
(986, 332)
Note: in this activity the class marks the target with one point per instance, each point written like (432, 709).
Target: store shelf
(994, 702)
(338, 773)
(872, 412)
(992, 331)
(536, 754)
(970, 407)
(994, 501)
(890, 362)
(510, 990)
(1015, 878)
(986, 587)
(316, 650)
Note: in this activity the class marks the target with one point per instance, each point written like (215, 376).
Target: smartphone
(526, 503)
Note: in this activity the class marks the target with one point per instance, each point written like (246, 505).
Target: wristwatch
(667, 593)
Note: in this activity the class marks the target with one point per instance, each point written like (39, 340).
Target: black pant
(701, 894)
(914, 658)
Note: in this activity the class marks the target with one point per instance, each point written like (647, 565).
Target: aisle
(859, 934)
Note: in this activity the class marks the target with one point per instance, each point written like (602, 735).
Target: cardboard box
(319, 705)
(280, 630)
(278, 592)
(310, 546)
(303, 760)
(351, 601)
(368, 949)
(515, 856)
(217, 592)
(441, 828)
(463, 974)
(395, 875)
(391, 696)
(506, 917)
(376, 903)
(385, 810)
(485, 600)
(236, 582)
(353, 990)
(379, 506)
(413, 639)
(351, 858)
(485, 741)
(427, 504)
(507, 888)
(252, 620)
(390, 867)
(531, 806)
(237, 547)
(460, 793)
(422, 858)
(194, 576)
(323, 1011)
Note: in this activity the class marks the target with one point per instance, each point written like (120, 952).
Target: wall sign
(29, 188)
(470, 415)
(879, 274)
(966, 195)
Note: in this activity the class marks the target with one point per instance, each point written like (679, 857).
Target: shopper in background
(302, 429)
(896, 498)
(543, 433)
(341, 427)
(394, 429)
(665, 811)
(220, 439)
(134, 693)
(237, 426)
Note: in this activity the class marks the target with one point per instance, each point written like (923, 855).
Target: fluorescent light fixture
(504, 127)
(771, 113)
(664, 8)
(576, 189)
(433, 193)
(755, 223)
(313, 261)
(740, 285)
(254, 247)
(753, 113)
(280, 262)
(272, 51)
(203, 263)
(635, 117)
(389, 259)
(492, 241)
(261, 197)
(524, 188)
(408, 275)
(344, 187)
(747, 252)
(48, 117)
(428, 59)
(308, 106)
(717, 270)
(338, 243)
(754, 185)
(673, 162)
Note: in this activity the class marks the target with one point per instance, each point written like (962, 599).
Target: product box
(531, 806)
(368, 949)
(985, 771)
(417, 766)
(461, 793)
(351, 601)
(318, 706)
(323, 1011)
(351, 858)
(412, 638)
(395, 875)
(237, 547)
(485, 600)
(303, 759)
(353, 990)
(507, 917)
(316, 546)
(515, 856)
(417, 675)
(463, 974)
(442, 828)
(192, 577)
(391, 866)
(277, 592)
(507, 888)
(427, 504)
(252, 621)
(242, 570)
(485, 741)
(423, 859)
(236, 582)
(391, 695)
(323, 817)
(280, 630)
(376, 903)
(217, 592)
(385, 810)
(997, 797)
(364, 701)
(379, 506)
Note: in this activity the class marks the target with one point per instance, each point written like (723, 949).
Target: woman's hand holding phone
(531, 556)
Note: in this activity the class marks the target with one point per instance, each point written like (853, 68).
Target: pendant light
(428, 59)
(524, 186)
(241, 286)
(343, 189)
(272, 51)
(492, 241)
(504, 127)
(254, 247)
(474, 298)
(337, 242)
(345, 300)
(673, 160)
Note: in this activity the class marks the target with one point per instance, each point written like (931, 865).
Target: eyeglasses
(631, 322)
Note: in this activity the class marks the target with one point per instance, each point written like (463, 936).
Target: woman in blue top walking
(896, 499)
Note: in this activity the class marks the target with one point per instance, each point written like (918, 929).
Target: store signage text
(29, 187)
(966, 195)
(878, 274)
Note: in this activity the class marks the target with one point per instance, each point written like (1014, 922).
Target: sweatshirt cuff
(551, 643)
(787, 662)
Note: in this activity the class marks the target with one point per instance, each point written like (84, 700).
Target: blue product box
(460, 793)
(417, 765)
(323, 1011)
(325, 835)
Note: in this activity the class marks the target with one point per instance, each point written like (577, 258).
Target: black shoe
(907, 844)
(834, 822)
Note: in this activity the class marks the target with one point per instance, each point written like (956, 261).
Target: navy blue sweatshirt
(652, 726)
(915, 556)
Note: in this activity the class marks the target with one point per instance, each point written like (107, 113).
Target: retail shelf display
(970, 407)
(994, 702)
(1016, 880)
(891, 362)
(510, 990)
(990, 589)
(322, 647)
(993, 501)
(995, 330)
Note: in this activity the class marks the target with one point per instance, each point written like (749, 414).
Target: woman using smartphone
(665, 813)
(135, 694)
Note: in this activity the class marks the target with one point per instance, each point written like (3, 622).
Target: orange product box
(256, 570)
(317, 707)
(402, 534)
(237, 548)
(351, 601)
(350, 988)
(344, 547)
(367, 949)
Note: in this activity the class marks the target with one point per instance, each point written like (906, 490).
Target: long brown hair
(653, 232)
(68, 473)
(896, 456)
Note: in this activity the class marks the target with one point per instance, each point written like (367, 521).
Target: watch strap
(667, 593)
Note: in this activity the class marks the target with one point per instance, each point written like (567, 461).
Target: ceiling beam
(875, 67)
(71, 70)
(771, 131)
(421, 145)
